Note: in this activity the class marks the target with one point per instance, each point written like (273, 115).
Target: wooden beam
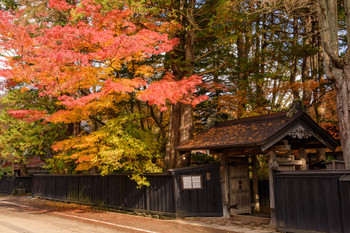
(321, 154)
(285, 142)
(308, 146)
(249, 151)
(280, 148)
(290, 163)
(219, 151)
(303, 157)
(273, 165)
(256, 202)
(224, 185)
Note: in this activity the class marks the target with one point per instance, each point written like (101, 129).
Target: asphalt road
(17, 219)
(28, 215)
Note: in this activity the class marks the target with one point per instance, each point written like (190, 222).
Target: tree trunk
(306, 66)
(294, 68)
(343, 110)
(180, 131)
(339, 69)
(181, 115)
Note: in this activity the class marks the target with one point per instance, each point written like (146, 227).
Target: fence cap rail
(312, 173)
(345, 178)
(194, 168)
(96, 175)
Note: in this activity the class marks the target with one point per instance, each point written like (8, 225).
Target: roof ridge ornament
(300, 133)
(296, 106)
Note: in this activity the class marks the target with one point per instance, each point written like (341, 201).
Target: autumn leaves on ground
(98, 86)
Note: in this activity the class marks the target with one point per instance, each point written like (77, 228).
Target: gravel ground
(242, 224)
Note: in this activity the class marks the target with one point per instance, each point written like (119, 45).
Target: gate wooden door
(240, 197)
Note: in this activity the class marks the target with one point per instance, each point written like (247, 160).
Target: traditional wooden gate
(239, 185)
(271, 135)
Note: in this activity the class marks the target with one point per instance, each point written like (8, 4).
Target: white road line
(87, 219)
(11, 203)
(108, 223)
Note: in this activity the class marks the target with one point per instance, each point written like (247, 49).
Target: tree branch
(207, 53)
(213, 70)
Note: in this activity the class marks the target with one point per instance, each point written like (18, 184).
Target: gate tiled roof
(253, 131)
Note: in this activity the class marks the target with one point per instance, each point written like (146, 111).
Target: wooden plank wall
(163, 196)
(199, 202)
(116, 191)
(312, 201)
(8, 184)
(344, 191)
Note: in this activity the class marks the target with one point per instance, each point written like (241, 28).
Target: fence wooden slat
(9, 184)
(344, 190)
(312, 201)
(119, 191)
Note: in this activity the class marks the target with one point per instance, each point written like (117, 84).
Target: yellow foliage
(144, 70)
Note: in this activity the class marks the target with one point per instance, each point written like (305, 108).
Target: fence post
(255, 185)
(146, 194)
(273, 165)
(55, 186)
(66, 187)
(107, 190)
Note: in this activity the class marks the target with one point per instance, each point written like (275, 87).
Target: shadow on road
(40, 206)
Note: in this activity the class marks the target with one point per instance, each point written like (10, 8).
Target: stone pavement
(238, 223)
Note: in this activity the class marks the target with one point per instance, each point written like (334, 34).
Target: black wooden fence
(164, 195)
(9, 184)
(313, 201)
(202, 202)
(264, 193)
(111, 191)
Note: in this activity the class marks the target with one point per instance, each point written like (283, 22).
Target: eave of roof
(219, 146)
(299, 118)
(246, 124)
